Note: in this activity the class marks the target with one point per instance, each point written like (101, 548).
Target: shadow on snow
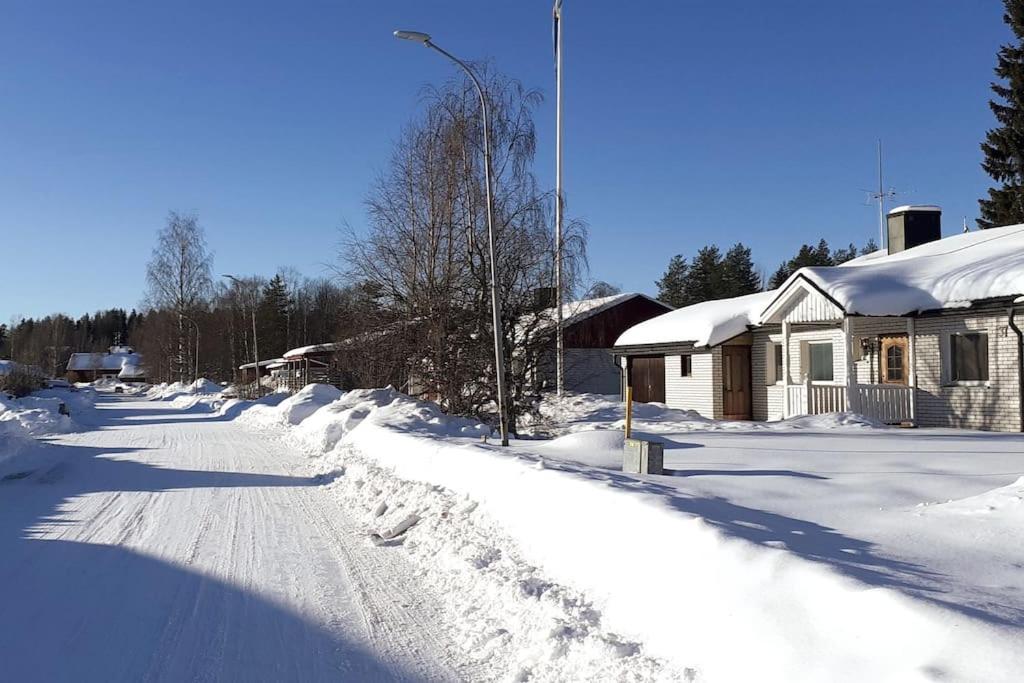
(72, 610)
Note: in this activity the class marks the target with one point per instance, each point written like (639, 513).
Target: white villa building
(928, 334)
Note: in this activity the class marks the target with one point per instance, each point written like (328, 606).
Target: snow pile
(259, 412)
(307, 401)
(704, 324)
(947, 273)
(39, 414)
(508, 616)
(1002, 505)
(652, 569)
(35, 416)
(204, 386)
(585, 412)
(174, 390)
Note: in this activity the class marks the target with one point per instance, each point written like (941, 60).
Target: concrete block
(643, 457)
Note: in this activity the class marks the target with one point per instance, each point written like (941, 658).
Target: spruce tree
(806, 256)
(672, 285)
(1004, 145)
(274, 315)
(738, 274)
(704, 278)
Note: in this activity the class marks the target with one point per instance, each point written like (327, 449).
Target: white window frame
(819, 342)
(947, 360)
(771, 373)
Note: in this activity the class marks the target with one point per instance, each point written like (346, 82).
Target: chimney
(913, 225)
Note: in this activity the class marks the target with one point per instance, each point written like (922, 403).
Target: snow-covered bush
(19, 381)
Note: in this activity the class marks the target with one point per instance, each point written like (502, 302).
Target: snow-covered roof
(103, 361)
(314, 348)
(704, 324)
(949, 273)
(263, 363)
(576, 311)
(131, 371)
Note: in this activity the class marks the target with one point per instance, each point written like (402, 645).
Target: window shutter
(769, 362)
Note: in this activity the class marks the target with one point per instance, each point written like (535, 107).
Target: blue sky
(686, 123)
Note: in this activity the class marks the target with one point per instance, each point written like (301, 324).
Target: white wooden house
(929, 334)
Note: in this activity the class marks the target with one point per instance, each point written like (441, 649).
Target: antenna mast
(880, 197)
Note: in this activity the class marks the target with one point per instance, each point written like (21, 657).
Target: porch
(828, 361)
(888, 403)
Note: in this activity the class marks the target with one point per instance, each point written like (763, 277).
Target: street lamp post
(559, 204)
(255, 345)
(499, 355)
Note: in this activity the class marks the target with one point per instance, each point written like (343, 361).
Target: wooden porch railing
(887, 403)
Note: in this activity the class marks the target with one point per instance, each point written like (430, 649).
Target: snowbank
(39, 414)
(660, 574)
(307, 401)
(586, 412)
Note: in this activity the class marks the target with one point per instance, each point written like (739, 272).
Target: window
(685, 365)
(773, 363)
(894, 363)
(820, 357)
(968, 357)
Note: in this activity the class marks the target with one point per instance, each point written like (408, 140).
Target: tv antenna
(881, 196)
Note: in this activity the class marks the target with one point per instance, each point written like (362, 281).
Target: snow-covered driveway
(168, 545)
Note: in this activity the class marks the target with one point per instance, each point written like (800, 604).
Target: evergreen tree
(842, 255)
(806, 256)
(1004, 145)
(273, 311)
(672, 285)
(738, 276)
(704, 278)
(870, 247)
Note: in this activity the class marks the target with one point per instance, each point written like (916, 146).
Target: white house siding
(767, 399)
(868, 367)
(811, 307)
(994, 405)
(592, 371)
(699, 391)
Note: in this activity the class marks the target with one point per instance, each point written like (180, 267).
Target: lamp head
(414, 36)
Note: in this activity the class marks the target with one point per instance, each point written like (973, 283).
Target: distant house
(928, 333)
(120, 362)
(589, 330)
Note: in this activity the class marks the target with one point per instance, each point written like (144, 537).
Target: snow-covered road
(166, 545)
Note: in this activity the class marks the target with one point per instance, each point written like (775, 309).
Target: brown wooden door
(736, 383)
(647, 376)
(893, 364)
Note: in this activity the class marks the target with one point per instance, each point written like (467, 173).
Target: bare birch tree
(426, 248)
(178, 278)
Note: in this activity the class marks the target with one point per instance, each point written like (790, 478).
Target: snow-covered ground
(816, 549)
(407, 546)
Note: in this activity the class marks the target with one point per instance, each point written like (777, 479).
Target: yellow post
(629, 412)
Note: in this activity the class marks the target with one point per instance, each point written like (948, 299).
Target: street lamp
(499, 356)
(255, 346)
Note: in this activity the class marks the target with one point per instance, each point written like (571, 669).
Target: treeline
(48, 342)
(713, 275)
